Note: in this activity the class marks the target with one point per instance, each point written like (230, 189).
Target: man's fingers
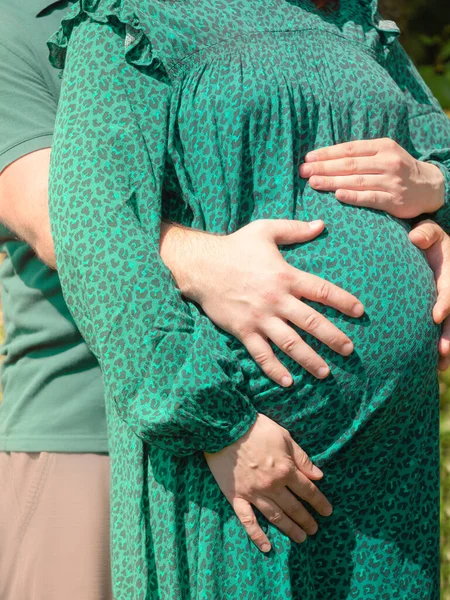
(311, 321)
(295, 511)
(276, 516)
(305, 489)
(264, 356)
(283, 336)
(285, 231)
(426, 234)
(342, 166)
(317, 289)
(246, 516)
(345, 150)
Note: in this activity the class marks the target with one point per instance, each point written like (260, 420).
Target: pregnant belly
(369, 254)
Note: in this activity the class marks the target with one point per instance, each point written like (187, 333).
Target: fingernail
(305, 170)
(347, 348)
(300, 537)
(358, 310)
(316, 471)
(265, 547)
(314, 224)
(323, 372)
(316, 181)
(286, 381)
(311, 157)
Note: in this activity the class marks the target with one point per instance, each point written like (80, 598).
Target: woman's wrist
(435, 181)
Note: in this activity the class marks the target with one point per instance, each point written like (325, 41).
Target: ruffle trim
(138, 48)
(388, 30)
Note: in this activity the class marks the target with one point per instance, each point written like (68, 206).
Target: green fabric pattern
(200, 111)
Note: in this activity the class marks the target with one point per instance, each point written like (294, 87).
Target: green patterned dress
(200, 111)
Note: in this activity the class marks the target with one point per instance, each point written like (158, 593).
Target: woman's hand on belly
(245, 286)
(377, 174)
(431, 238)
(264, 469)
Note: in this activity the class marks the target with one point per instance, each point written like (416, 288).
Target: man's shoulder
(27, 24)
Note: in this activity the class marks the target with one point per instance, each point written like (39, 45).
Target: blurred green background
(425, 26)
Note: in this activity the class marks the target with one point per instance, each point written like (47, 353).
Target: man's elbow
(45, 250)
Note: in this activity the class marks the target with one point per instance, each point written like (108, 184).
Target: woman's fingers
(283, 336)
(444, 346)
(342, 166)
(312, 287)
(295, 511)
(247, 517)
(305, 489)
(358, 183)
(276, 516)
(262, 353)
(304, 464)
(311, 321)
(349, 149)
(369, 199)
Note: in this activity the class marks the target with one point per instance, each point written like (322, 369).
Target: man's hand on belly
(431, 238)
(245, 286)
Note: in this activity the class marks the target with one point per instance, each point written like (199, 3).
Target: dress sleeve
(429, 126)
(168, 370)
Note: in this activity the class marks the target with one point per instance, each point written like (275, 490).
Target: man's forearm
(185, 252)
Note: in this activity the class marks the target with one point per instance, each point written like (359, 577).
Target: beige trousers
(54, 526)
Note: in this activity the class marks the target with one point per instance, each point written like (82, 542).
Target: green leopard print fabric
(200, 111)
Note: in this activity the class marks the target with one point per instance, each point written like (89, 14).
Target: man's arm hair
(24, 202)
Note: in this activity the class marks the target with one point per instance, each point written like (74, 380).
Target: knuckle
(389, 143)
(284, 470)
(263, 359)
(284, 276)
(349, 165)
(275, 517)
(244, 331)
(312, 322)
(295, 508)
(247, 520)
(289, 345)
(257, 314)
(270, 297)
(350, 150)
(360, 181)
(396, 162)
(323, 291)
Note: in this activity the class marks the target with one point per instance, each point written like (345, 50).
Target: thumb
(285, 231)
(425, 235)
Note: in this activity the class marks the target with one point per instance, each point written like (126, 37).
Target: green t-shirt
(52, 385)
